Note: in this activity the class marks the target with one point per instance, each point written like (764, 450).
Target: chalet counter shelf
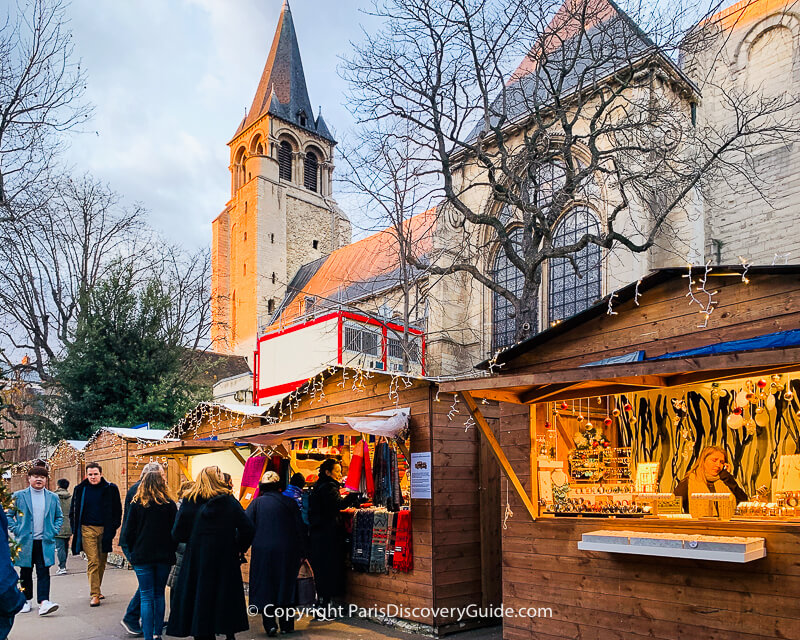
(675, 545)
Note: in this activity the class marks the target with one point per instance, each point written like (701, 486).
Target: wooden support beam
(182, 467)
(239, 456)
(590, 391)
(487, 432)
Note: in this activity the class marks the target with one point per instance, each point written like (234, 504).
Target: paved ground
(75, 620)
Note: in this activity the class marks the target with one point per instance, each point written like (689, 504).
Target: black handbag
(306, 589)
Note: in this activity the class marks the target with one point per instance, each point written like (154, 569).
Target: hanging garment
(403, 560)
(377, 558)
(391, 531)
(381, 475)
(362, 540)
(359, 475)
(253, 470)
(397, 495)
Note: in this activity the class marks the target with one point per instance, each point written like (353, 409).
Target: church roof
(282, 91)
(591, 39)
(356, 271)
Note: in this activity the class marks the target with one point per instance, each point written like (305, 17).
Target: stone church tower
(281, 214)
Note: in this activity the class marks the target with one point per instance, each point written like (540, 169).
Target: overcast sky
(170, 80)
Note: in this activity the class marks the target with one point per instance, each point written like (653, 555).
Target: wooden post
(239, 456)
(486, 430)
(183, 468)
(534, 449)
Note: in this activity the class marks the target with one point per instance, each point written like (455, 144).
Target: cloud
(170, 81)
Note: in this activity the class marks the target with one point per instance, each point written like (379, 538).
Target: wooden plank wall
(66, 462)
(413, 589)
(455, 508)
(664, 322)
(614, 597)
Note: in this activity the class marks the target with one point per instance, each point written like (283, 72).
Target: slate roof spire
(282, 91)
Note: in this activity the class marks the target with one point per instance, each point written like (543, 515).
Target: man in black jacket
(95, 516)
(131, 622)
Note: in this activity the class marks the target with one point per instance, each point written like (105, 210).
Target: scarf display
(386, 475)
(362, 540)
(377, 558)
(359, 475)
(403, 560)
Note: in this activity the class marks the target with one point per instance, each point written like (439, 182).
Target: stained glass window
(570, 293)
(504, 273)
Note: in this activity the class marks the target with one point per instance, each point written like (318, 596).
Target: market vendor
(710, 473)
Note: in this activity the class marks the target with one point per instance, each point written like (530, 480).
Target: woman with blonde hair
(209, 595)
(147, 536)
(710, 473)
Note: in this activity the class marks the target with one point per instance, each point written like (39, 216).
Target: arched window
(570, 293)
(285, 161)
(238, 169)
(504, 273)
(311, 171)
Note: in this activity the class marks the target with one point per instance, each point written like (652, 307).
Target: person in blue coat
(11, 598)
(34, 523)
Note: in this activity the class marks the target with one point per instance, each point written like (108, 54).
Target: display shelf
(673, 545)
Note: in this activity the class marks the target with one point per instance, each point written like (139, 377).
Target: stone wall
(752, 205)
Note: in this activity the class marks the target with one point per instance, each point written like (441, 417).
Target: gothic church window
(285, 161)
(571, 292)
(504, 273)
(311, 171)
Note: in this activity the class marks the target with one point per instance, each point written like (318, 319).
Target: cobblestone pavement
(75, 620)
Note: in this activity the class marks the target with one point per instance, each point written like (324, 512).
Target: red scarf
(403, 560)
(359, 475)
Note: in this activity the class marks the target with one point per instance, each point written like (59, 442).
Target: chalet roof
(282, 91)
(592, 39)
(356, 271)
(130, 434)
(626, 293)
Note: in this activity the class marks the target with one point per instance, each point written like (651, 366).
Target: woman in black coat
(326, 533)
(209, 596)
(278, 549)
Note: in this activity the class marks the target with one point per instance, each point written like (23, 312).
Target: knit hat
(270, 477)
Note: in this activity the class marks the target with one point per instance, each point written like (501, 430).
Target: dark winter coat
(147, 533)
(682, 489)
(209, 595)
(129, 496)
(112, 514)
(326, 536)
(278, 548)
(65, 499)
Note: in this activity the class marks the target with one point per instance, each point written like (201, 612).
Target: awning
(187, 447)
(582, 382)
(382, 423)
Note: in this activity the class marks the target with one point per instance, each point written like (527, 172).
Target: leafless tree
(41, 90)
(598, 117)
(393, 184)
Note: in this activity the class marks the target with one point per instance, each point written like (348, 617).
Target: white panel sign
(421, 468)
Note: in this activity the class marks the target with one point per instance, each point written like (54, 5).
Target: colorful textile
(359, 475)
(253, 470)
(362, 540)
(377, 558)
(403, 560)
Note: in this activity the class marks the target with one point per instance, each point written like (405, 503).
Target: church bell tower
(281, 214)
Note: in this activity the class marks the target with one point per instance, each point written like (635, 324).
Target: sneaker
(62, 572)
(26, 608)
(45, 607)
(132, 630)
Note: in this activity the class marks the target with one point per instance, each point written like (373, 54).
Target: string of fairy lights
(211, 419)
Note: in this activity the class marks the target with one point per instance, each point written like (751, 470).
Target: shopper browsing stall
(209, 596)
(278, 548)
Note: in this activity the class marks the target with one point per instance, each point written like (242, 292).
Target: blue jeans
(152, 583)
(62, 545)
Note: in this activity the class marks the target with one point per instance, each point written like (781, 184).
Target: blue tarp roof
(777, 340)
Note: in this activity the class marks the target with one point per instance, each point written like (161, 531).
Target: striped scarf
(377, 558)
